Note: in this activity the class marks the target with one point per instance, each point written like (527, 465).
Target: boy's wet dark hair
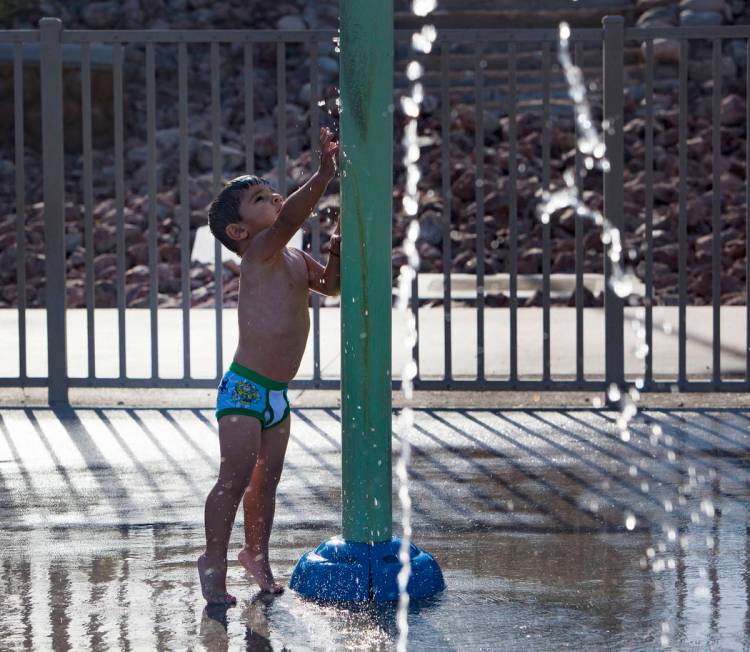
(224, 209)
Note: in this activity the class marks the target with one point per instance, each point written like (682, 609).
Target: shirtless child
(252, 407)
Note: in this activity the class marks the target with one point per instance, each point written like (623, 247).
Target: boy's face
(259, 207)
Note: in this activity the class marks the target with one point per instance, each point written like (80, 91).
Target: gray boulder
(692, 18)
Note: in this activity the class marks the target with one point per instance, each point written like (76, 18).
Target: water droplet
(410, 205)
(422, 40)
(414, 70)
(701, 592)
(423, 7)
(630, 521)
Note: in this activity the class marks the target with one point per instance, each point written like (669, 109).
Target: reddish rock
(102, 261)
(735, 249)
(464, 187)
(733, 110)
(105, 238)
(138, 253)
(170, 253)
(105, 294)
(667, 254)
(137, 274)
(35, 265)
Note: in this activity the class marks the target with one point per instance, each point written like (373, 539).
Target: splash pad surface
(102, 513)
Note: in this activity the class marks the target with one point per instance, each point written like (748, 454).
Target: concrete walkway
(432, 342)
(552, 532)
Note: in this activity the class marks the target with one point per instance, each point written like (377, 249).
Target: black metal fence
(54, 46)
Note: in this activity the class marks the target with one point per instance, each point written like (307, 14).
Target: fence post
(53, 173)
(614, 313)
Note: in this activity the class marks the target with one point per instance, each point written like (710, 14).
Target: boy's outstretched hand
(329, 149)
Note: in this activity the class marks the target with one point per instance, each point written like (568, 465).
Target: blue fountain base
(358, 572)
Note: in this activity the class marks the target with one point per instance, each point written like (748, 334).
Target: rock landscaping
(171, 213)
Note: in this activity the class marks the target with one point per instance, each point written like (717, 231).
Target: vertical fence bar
(747, 217)
(479, 188)
(414, 301)
(513, 212)
(182, 108)
(715, 214)
(315, 244)
(88, 205)
(445, 149)
(314, 162)
(414, 305)
(117, 54)
(249, 109)
(546, 227)
(153, 259)
(281, 108)
(614, 31)
(53, 169)
(649, 325)
(19, 146)
(682, 220)
(217, 174)
(578, 54)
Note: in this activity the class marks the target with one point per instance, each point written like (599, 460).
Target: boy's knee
(233, 483)
(268, 479)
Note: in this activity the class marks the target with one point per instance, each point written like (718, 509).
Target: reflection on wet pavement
(552, 532)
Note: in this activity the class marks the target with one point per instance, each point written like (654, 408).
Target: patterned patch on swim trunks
(245, 392)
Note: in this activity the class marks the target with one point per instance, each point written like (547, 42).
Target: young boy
(252, 408)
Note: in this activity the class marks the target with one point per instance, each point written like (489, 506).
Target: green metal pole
(366, 123)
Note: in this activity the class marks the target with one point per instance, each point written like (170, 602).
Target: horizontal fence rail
(511, 75)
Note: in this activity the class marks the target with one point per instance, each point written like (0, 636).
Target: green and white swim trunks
(244, 391)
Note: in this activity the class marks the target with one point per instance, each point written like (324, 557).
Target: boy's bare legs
(239, 440)
(259, 505)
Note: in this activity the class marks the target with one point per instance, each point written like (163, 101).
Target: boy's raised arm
(299, 204)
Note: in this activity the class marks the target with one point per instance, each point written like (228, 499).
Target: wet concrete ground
(529, 513)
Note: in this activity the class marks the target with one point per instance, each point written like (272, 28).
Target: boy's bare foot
(257, 565)
(213, 583)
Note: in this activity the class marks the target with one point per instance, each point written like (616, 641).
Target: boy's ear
(236, 231)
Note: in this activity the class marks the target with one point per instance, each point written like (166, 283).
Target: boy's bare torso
(274, 320)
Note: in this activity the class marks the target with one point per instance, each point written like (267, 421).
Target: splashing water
(423, 7)
(591, 144)
(422, 42)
